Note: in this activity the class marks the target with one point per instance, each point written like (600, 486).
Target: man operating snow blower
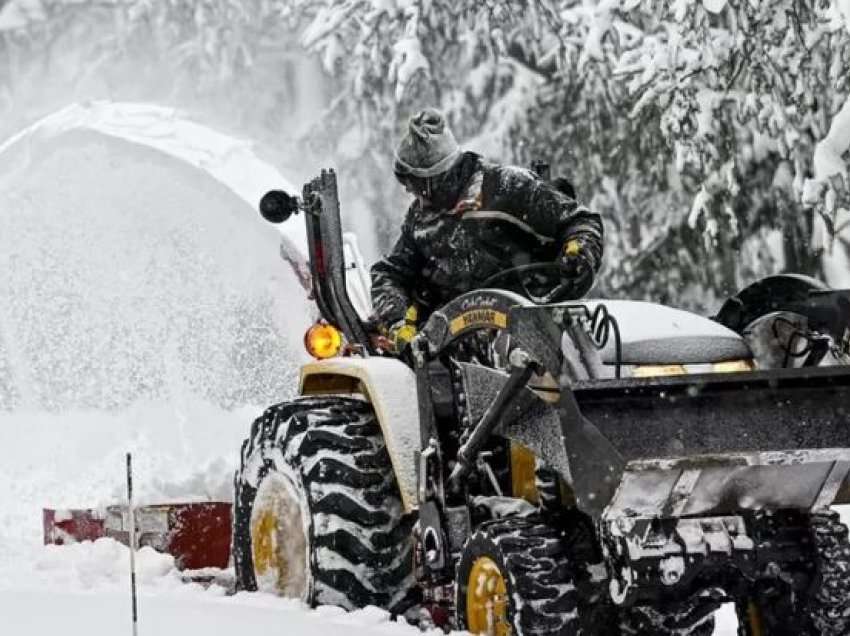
(472, 220)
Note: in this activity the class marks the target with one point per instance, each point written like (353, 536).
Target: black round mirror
(277, 206)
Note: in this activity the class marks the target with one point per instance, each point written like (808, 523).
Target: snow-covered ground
(77, 460)
(182, 613)
(83, 590)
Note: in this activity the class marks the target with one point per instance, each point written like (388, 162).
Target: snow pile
(86, 587)
(76, 460)
(840, 10)
(100, 564)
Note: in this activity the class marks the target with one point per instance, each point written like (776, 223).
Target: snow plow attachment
(683, 445)
(690, 477)
(718, 444)
(701, 445)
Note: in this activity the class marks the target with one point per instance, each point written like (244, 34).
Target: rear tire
(538, 596)
(325, 459)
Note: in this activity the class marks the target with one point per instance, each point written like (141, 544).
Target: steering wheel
(521, 274)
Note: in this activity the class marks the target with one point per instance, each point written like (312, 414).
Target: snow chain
(829, 608)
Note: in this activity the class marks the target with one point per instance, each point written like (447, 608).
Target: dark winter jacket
(482, 219)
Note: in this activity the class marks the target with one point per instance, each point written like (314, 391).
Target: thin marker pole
(132, 515)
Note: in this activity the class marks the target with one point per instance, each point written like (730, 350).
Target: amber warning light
(323, 341)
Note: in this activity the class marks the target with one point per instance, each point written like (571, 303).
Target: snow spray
(131, 513)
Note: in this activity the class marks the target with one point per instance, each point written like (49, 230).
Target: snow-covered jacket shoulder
(484, 218)
(544, 209)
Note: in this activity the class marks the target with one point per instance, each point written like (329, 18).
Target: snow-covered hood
(656, 334)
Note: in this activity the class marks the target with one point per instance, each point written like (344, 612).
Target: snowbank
(87, 591)
(83, 590)
(191, 612)
(99, 565)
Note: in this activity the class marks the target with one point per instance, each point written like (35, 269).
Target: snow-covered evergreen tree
(705, 131)
(712, 134)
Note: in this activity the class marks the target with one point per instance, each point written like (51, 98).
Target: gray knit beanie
(429, 147)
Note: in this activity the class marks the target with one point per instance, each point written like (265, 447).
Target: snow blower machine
(597, 467)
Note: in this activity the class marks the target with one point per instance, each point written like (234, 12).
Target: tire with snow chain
(514, 575)
(825, 609)
(829, 607)
(317, 512)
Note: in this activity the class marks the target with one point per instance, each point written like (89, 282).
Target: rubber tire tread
(542, 587)
(829, 607)
(825, 610)
(334, 448)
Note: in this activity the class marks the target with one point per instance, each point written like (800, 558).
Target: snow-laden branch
(842, 7)
(828, 157)
(829, 188)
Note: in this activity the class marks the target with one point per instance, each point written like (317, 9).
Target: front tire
(514, 578)
(317, 511)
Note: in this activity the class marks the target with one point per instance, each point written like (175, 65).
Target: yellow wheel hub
(487, 599)
(278, 542)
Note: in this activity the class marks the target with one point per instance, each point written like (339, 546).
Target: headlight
(323, 341)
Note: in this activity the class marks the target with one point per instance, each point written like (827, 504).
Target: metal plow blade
(709, 444)
(712, 485)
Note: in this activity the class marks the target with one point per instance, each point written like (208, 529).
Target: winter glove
(577, 266)
(401, 334)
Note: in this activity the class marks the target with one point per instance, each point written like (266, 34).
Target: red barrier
(197, 535)
(71, 526)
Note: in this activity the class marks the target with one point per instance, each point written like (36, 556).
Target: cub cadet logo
(479, 318)
(478, 302)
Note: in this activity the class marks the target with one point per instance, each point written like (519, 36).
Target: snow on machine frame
(620, 467)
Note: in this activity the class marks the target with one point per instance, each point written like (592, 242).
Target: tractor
(539, 466)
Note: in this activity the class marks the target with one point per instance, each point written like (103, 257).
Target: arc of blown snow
(229, 160)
